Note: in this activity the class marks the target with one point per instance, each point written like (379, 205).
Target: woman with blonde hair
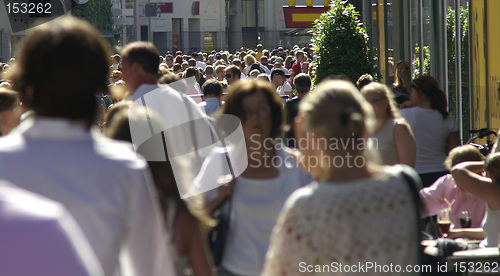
(402, 77)
(356, 211)
(249, 61)
(393, 136)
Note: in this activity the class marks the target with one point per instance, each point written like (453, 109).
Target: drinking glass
(465, 219)
(444, 222)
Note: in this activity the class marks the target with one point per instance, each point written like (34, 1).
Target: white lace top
(325, 226)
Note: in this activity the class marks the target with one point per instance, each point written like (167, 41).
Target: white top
(347, 223)
(39, 237)
(491, 227)
(286, 87)
(385, 143)
(141, 91)
(255, 207)
(102, 183)
(431, 136)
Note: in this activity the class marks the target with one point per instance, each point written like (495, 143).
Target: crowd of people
(100, 158)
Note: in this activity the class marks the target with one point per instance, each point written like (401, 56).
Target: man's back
(39, 237)
(102, 183)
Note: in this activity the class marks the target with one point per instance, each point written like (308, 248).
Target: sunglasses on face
(115, 77)
(228, 76)
(375, 100)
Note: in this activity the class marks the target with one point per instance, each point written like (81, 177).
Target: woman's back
(371, 220)
(431, 133)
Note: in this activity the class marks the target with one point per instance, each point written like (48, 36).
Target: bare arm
(405, 144)
(469, 233)
(199, 256)
(477, 185)
(495, 146)
(223, 191)
(453, 141)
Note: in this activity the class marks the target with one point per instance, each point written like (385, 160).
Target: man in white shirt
(278, 80)
(39, 237)
(102, 183)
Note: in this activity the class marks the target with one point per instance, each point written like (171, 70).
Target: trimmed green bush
(341, 43)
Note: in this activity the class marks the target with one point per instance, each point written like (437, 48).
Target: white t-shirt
(256, 204)
(431, 133)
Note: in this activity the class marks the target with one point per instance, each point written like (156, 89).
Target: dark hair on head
(191, 72)
(144, 53)
(364, 80)
(302, 83)
(256, 66)
(117, 57)
(192, 62)
(236, 62)
(235, 71)
(234, 102)
(209, 70)
(61, 66)
(429, 87)
(8, 98)
(492, 166)
(177, 67)
(169, 77)
(212, 87)
(462, 154)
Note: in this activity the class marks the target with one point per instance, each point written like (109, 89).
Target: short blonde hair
(462, 154)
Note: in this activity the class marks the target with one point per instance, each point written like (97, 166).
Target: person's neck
(350, 172)
(425, 104)
(148, 81)
(258, 150)
(406, 83)
(380, 124)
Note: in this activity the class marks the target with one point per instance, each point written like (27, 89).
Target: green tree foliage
(341, 43)
(97, 12)
(464, 55)
(416, 61)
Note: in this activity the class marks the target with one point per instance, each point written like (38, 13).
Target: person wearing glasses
(436, 131)
(232, 74)
(169, 60)
(394, 139)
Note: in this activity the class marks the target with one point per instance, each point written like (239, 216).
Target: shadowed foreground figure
(103, 184)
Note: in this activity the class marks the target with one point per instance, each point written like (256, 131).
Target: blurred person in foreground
(102, 183)
(357, 211)
(10, 110)
(184, 220)
(39, 237)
